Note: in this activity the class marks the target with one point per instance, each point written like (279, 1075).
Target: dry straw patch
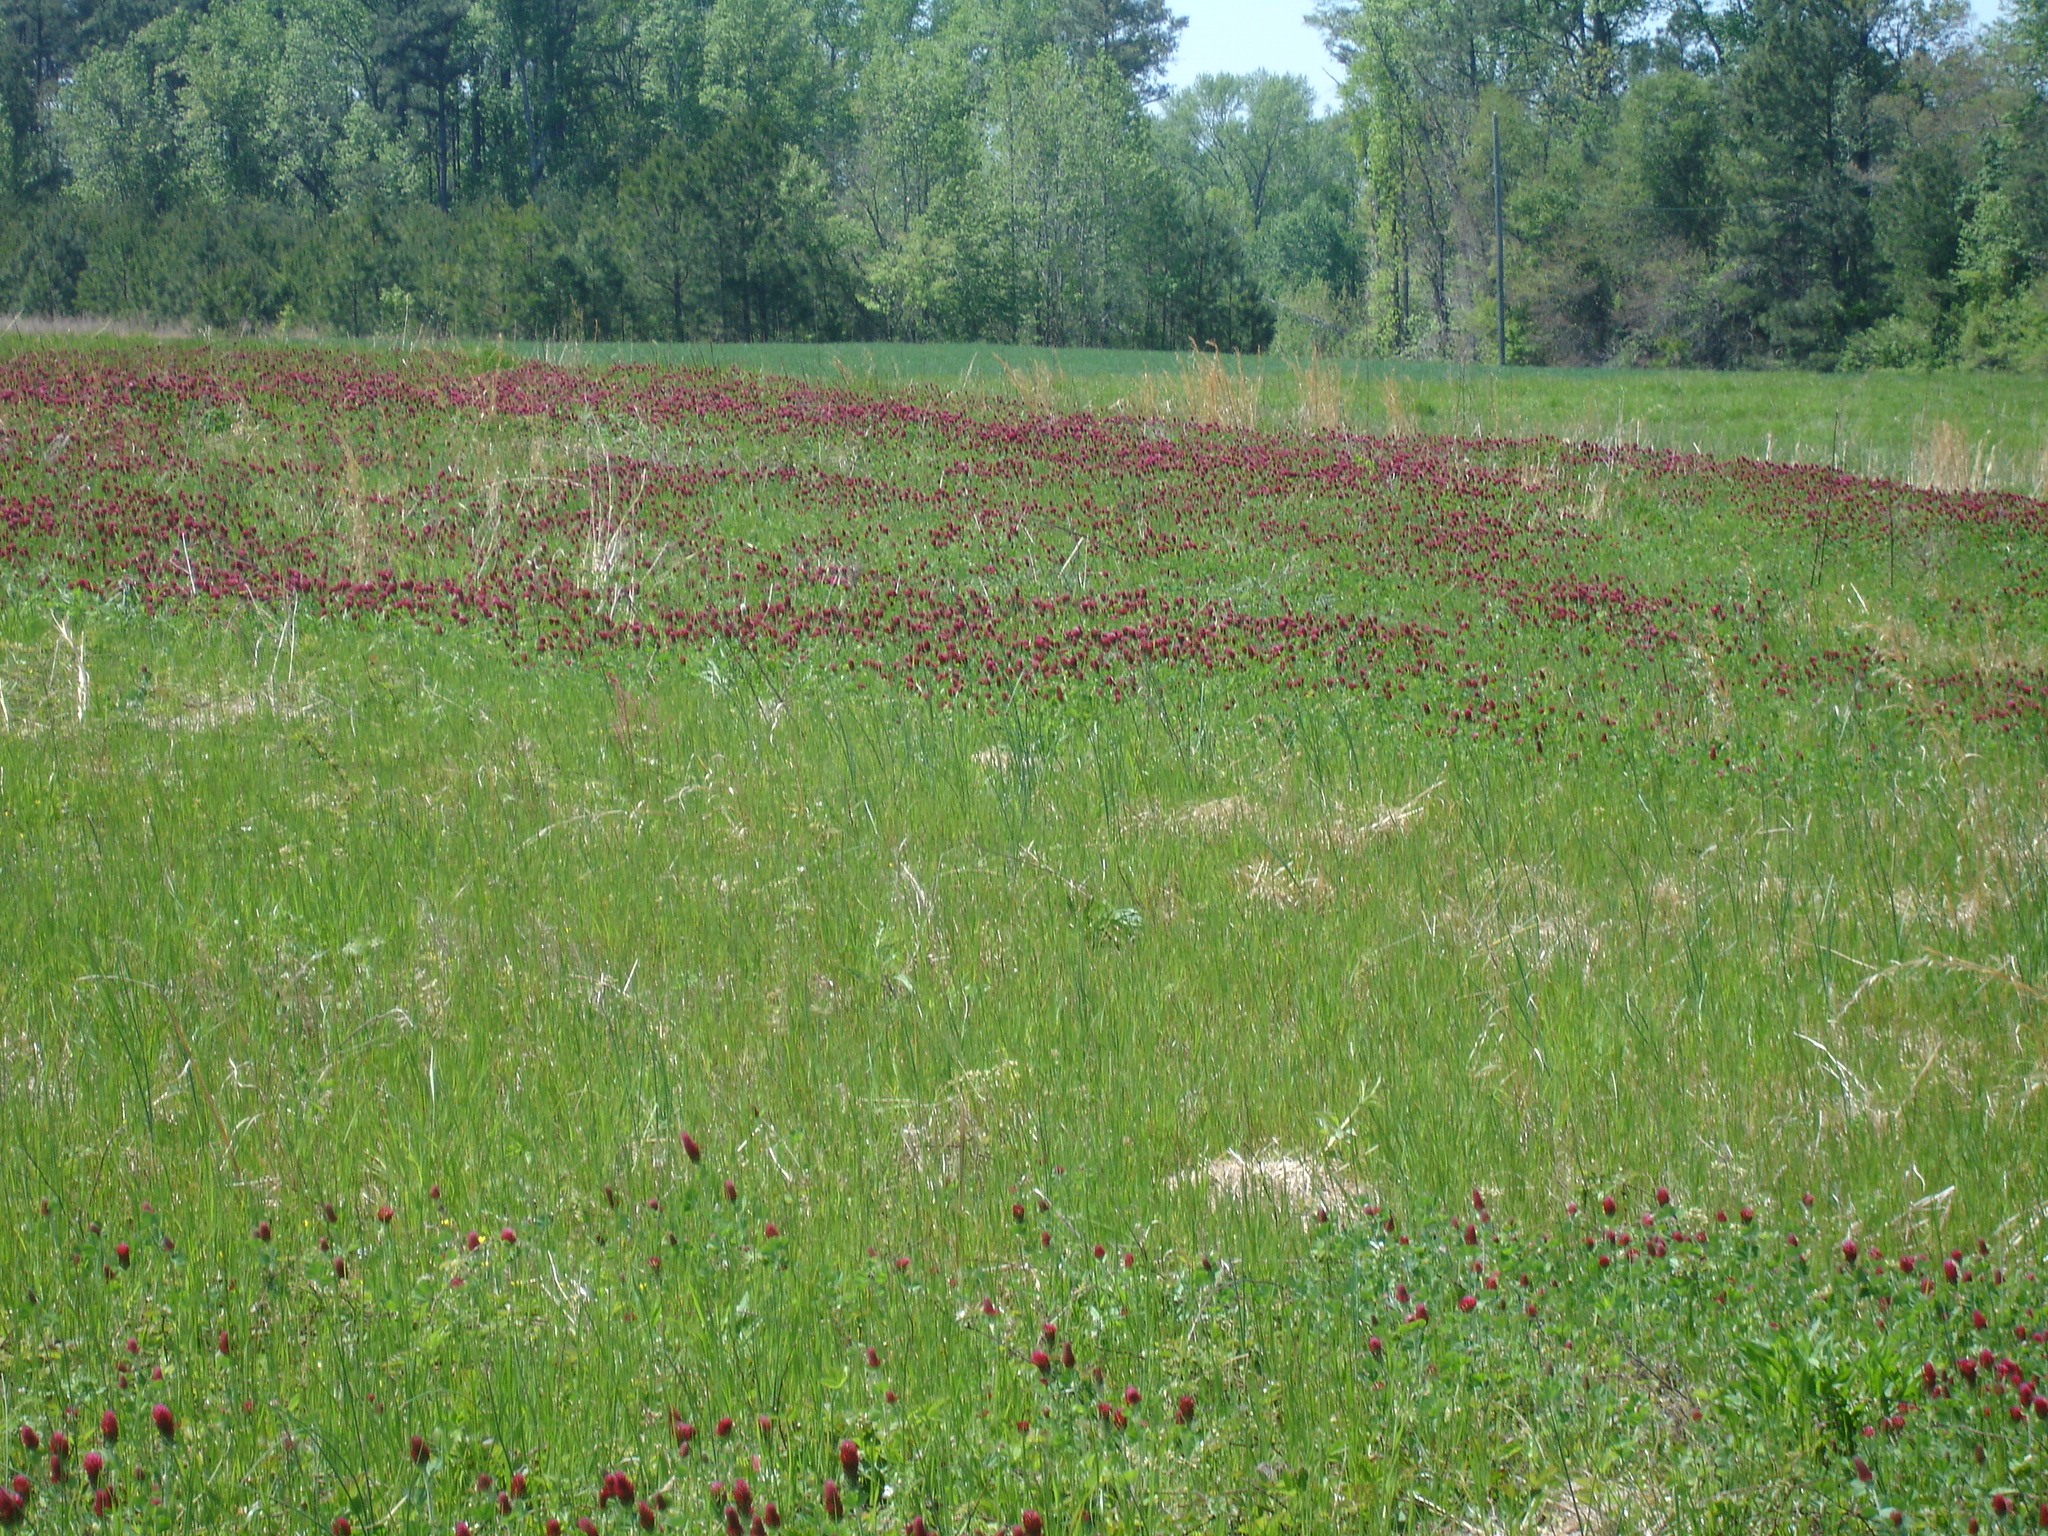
(1299, 1185)
(1216, 393)
(1993, 650)
(956, 1130)
(1941, 1056)
(1350, 832)
(1521, 912)
(1319, 396)
(1945, 460)
(1938, 909)
(1282, 885)
(97, 325)
(353, 513)
(1345, 829)
(1213, 818)
(1037, 387)
(1594, 507)
(1400, 415)
(207, 713)
(1581, 1507)
(1150, 400)
(1566, 1514)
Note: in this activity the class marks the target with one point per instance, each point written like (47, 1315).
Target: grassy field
(1951, 430)
(861, 964)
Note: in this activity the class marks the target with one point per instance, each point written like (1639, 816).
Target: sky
(1238, 36)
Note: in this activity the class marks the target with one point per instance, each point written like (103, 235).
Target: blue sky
(1237, 36)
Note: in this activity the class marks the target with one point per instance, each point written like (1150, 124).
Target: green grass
(1950, 428)
(1888, 423)
(303, 910)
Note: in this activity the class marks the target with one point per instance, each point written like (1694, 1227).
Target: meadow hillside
(668, 948)
(1941, 429)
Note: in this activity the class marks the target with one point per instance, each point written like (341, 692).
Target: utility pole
(1500, 256)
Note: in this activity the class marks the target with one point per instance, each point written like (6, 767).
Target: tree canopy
(1709, 181)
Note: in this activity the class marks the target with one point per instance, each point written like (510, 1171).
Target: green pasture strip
(1952, 427)
(1881, 423)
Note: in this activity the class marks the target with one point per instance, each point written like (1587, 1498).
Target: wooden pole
(1500, 256)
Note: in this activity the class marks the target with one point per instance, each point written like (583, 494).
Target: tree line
(1717, 182)
(1853, 182)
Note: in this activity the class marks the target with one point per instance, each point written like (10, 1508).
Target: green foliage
(1778, 177)
(1133, 37)
(772, 253)
(119, 129)
(1252, 149)
(761, 61)
(1805, 134)
(1759, 182)
(1894, 342)
(665, 235)
(732, 170)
